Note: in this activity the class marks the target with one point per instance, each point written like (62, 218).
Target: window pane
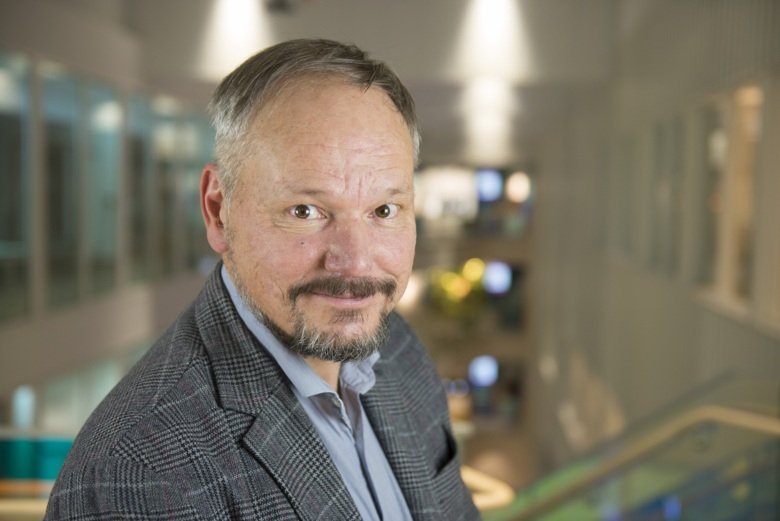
(666, 197)
(749, 101)
(61, 111)
(732, 130)
(104, 151)
(140, 174)
(624, 196)
(14, 202)
(199, 152)
(716, 150)
(166, 166)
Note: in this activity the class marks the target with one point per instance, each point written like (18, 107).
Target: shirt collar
(358, 375)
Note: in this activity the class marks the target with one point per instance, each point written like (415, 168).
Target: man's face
(320, 230)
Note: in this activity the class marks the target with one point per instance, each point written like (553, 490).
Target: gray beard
(309, 342)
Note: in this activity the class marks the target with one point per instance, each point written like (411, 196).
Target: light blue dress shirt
(340, 421)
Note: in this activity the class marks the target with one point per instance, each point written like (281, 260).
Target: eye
(305, 211)
(386, 211)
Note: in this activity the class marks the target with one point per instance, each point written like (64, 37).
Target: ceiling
(553, 47)
(525, 58)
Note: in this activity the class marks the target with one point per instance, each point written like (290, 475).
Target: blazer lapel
(395, 434)
(281, 437)
(286, 444)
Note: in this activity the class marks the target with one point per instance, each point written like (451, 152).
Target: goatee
(309, 341)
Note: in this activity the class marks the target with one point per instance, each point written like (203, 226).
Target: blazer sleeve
(116, 489)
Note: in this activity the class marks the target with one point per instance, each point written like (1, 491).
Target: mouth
(343, 299)
(344, 295)
(344, 291)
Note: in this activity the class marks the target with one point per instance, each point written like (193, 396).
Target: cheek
(397, 254)
(290, 259)
(279, 260)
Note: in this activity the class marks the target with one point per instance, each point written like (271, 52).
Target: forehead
(326, 125)
(309, 99)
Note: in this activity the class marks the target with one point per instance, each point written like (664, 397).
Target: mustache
(360, 287)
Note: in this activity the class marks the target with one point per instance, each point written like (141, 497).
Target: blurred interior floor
(503, 450)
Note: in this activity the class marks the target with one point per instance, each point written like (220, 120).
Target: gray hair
(251, 86)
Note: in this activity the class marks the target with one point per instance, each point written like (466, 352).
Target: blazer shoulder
(405, 360)
(403, 348)
(171, 361)
(99, 490)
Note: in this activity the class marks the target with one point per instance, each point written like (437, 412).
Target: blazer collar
(244, 375)
(286, 443)
(254, 392)
(390, 421)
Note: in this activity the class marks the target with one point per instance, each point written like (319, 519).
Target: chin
(339, 338)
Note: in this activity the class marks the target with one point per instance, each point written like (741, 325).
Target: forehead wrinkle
(304, 154)
(346, 153)
(269, 116)
(355, 188)
(298, 173)
(343, 167)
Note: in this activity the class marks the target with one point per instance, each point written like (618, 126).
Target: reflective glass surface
(139, 154)
(709, 468)
(64, 195)
(103, 165)
(14, 179)
(165, 201)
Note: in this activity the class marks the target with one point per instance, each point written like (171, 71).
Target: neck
(328, 371)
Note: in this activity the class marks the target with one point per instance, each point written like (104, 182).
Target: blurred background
(598, 265)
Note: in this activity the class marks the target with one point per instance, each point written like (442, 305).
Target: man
(289, 389)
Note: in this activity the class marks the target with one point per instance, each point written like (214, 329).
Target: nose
(349, 249)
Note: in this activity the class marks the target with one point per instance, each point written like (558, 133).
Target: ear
(212, 205)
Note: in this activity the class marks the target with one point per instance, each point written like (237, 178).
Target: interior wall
(567, 287)
(638, 335)
(93, 43)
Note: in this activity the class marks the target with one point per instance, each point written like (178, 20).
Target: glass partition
(666, 196)
(687, 461)
(732, 130)
(713, 472)
(139, 153)
(625, 183)
(102, 168)
(14, 176)
(198, 151)
(63, 160)
(714, 165)
(167, 164)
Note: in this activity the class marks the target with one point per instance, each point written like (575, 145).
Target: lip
(343, 301)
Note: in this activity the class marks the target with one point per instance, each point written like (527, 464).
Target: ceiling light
(237, 29)
(518, 187)
(490, 185)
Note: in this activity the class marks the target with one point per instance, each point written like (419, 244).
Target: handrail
(487, 492)
(640, 448)
(18, 509)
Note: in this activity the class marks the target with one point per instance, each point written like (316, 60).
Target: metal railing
(645, 445)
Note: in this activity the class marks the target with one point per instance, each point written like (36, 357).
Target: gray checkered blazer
(205, 426)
